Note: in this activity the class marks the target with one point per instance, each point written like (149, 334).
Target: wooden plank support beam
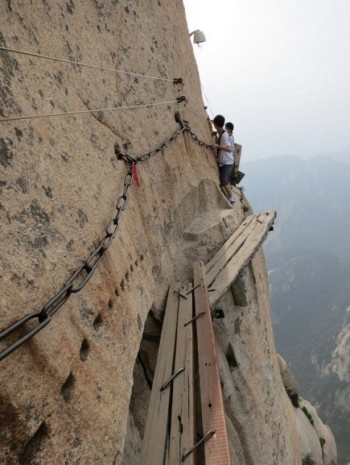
(236, 253)
(182, 429)
(216, 446)
(157, 422)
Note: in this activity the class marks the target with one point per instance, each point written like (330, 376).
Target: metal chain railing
(195, 137)
(85, 272)
(74, 284)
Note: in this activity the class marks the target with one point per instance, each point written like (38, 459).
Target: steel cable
(79, 63)
(49, 115)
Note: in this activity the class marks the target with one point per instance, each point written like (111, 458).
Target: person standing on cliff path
(225, 157)
(229, 128)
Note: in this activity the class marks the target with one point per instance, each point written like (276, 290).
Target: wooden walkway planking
(232, 244)
(235, 254)
(216, 446)
(156, 429)
(182, 430)
(170, 433)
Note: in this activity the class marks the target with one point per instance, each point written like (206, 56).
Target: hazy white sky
(279, 70)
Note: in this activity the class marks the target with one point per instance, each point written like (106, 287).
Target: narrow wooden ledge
(236, 253)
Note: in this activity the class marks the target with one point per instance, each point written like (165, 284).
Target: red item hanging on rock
(135, 175)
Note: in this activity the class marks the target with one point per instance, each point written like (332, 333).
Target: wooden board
(234, 242)
(236, 253)
(182, 430)
(156, 429)
(216, 447)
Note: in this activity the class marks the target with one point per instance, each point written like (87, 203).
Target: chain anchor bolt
(180, 99)
(178, 81)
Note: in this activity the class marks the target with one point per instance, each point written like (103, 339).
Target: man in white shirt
(229, 129)
(225, 157)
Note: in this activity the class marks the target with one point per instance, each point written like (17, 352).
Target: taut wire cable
(206, 98)
(79, 63)
(49, 115)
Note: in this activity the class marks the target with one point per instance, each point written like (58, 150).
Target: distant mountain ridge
(310, 196)
(308, 257)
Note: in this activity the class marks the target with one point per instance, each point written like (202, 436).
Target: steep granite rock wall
(65, 395)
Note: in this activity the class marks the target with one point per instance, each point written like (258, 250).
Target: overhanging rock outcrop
(66, 394)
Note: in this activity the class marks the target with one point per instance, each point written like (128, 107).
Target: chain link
(85, 272)
(195, 137)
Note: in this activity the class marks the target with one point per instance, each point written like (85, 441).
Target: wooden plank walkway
(170, 431)
(236, 253)
(156, 429)
(216, 446)
(182, 428)
(170, 423)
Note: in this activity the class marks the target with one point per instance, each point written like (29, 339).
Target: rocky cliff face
(340, 363)
(335, 398)
(67, 393)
